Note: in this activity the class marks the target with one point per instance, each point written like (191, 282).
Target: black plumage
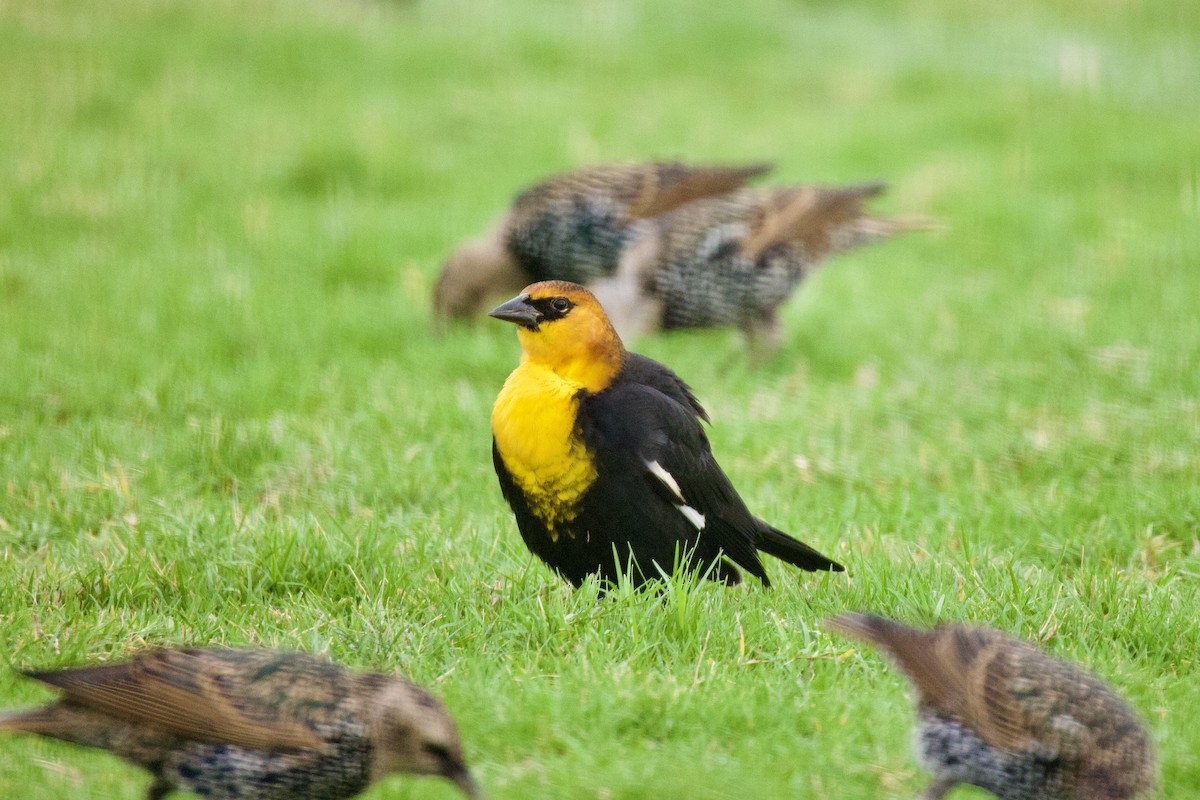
(656, 495)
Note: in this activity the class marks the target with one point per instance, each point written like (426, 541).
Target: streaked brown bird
(732, 260)
(251, 724)
(996, 713)
(573, 227)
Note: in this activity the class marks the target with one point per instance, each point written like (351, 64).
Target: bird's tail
(881, 227)
(859, 227)
(45, 721)
(787, 548)
(938, 662)
(911, 648)
(880, 632)
(827, 220)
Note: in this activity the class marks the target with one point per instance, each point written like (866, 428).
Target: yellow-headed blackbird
(602, 457)
(573, 227)
(251, 724)
(996, 713)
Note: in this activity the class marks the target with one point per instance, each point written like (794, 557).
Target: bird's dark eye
(561, 304)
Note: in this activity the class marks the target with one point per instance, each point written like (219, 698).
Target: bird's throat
(534, 425)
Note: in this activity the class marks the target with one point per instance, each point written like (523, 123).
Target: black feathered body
(646, 424)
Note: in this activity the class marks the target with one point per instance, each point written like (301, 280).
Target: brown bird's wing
(197, 694)
(960, 671)
(808, 214)
(1067, 709)
(659, 188)
(993, 709)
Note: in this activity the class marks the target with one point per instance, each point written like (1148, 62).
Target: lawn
(226, 415)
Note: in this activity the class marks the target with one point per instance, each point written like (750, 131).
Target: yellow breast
(534, 425)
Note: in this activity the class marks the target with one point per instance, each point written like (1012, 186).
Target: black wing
(649, 445)
(648, 422)
(646, 371)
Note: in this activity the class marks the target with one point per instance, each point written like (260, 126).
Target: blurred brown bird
(251, 724)
(996, 713)
(573, 227)
(733, 260)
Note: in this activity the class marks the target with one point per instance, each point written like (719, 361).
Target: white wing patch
(693, 516)
(656, 469)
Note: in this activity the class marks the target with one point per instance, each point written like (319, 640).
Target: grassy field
(225, 416)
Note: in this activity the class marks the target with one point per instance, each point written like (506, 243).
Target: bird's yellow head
(562, 327)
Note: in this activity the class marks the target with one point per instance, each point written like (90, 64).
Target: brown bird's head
(474, 273)
(562, 327)
(413, 733)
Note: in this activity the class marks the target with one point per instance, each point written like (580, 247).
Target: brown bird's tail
(826, 220)
(872, 228)
(882, 633)
(46, 721)
(848, 225)
(937, 661)
(775, 542)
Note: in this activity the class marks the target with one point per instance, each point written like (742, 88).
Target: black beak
(519, 311)
(463, 780)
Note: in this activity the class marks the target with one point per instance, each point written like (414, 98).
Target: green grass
(224, 416)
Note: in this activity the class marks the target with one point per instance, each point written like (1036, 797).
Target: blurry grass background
(225, 416)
